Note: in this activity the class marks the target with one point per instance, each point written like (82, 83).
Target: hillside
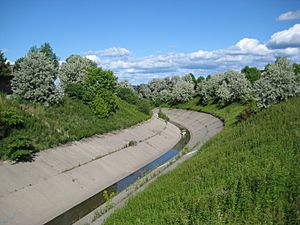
(69, 121)
(248, 174)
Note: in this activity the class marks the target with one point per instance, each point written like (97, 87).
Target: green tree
(4, 65)
(100, 87)
(34, 80)
(48, 51)
(200, 79)
(251, 73)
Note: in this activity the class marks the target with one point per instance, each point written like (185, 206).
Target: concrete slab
(62, 177)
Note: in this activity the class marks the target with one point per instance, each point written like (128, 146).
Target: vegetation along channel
(150, 112)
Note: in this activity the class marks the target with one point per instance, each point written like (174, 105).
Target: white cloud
(114, 51)
(286, 38)
(291, 15)
(248, 45)
(247, 51)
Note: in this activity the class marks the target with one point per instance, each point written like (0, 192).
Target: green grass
(228, 113)
(72, 120)
(247, 174)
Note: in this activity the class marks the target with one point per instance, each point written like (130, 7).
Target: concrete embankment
(201, 126)
(60, 178)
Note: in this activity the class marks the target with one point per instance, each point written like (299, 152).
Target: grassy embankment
(72, 120)
(247, 174)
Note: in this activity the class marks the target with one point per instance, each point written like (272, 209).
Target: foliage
(169, 90)
(69, 121)
(99, 91)
(19, 148)
(34, 81)
(278, 83)
(163, 116)
(74, 90)
(144, 106)
(108, 198)
(11, 118)
(48, 51)
(75, 70)
(200, 79)
(132, 143)
(247, 174)
(251, 73)
(4, 65)
(182, 91)
(225, 89)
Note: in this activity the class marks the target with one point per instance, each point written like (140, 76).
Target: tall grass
(248, 174)
(72, 120)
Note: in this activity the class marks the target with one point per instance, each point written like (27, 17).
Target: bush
(11, 118)
(99, 88)
(74, 90)
(144, 106)
(127, 95)
(19, 148)
(163, 116)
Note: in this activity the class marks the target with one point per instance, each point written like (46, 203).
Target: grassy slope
(228, 113)
(73, 120)
(248, 174)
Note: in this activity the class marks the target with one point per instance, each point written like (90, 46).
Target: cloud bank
(247, 51)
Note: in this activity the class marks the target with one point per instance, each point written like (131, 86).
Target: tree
(100, 86)
(251, 73)
(4, 65)
(200, 79)
(48, 51)
(34, 80)
(182, 91)
(278, 83)
(75, 70)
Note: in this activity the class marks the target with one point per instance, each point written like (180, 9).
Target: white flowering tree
(34, 80)
(225, 88)
(182, 91)
(75, 69)
(278, 83)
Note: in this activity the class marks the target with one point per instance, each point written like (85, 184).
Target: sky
(140, 39)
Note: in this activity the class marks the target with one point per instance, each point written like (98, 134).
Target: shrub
(99, 88)
(19, 148)
(11, 118)
(144, 106)
(132, 143)
(74, 90)
(163, 116)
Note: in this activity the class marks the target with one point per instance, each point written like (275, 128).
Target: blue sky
(141, 40)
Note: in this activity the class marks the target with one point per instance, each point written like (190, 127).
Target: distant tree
(18, 63)
(251, 73)
(34, 80)
(4, 65)
(200, 79)
(278, 83)
(296, 68)
(48, 51)
(100, 86)
(182, 91)
(208, 77)
(75, 70)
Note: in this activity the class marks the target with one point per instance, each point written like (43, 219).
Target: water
(77, 212)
